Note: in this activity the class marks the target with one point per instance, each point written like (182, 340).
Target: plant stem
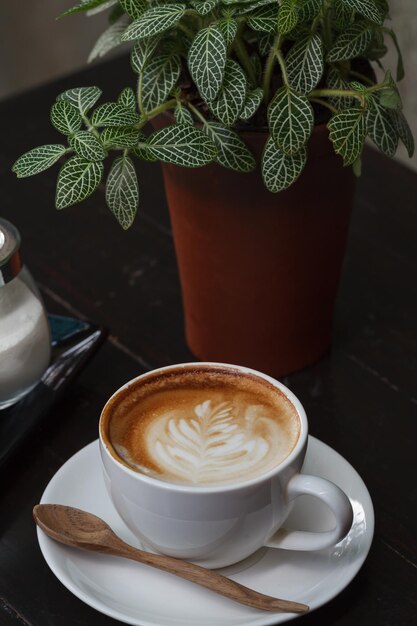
(361, 77)
(169, 104)
(330, 93)
(140, 103)
(269, 66)
(281, 62)
(90, 127)
(324, 104)
(244, 58)
(190, 33)
(197, 113)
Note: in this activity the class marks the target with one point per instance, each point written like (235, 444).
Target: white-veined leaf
(265, 43)
(111, 38)
(142, 52)
(252, 102)
(183, 115)
(122, 191)
(113, 114)
(204, 7)
(291, 120)
(86, 145)
(347, 131)
(367, 8)
(231, 98)
(108, 4)
(65, 117)
(228, 27)
(119, 137)
(351, 43)
(336, 81)
(404, 131)
(134, 8)
(232, 152)
(159, 77)
(77, 179)
(381, 128)
(86, 5)
(207, 60)
(38, 159)
(155, 20)
(141, 149)
(264, 19)
(127, 98)
(287, 17)
(344, 16)
(279, 170)
(305, 63)
(308, 10)
(83, 98)
(182, 144)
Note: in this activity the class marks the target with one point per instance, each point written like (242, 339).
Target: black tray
(73, 343)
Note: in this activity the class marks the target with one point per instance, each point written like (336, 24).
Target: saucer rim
(48, 547)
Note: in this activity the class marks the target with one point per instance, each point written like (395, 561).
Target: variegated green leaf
(77, 179)
(291, 120)
(38, 159)
(119, 137)
(404, 131)
(287, 17)
(265, 43)
(367, 8)
(134, 8)
(65, 117)
(182, 144)
(183, 115)
(159, 77)
(86, 5)
(111, 38)
(204, 7)
(336, 81)
(279, 170)
(347, 131)
(252, 102)
(141, 149)
(122, 191)
(305, 63)
(228, 27)
(207, 60)
(83, 98)
(381, 128)
(343, 15)
(86, 145)
(108, 4)
(127, 99)
(113, 114)
(351, 43)
(232, 95)
(308, 10)
(264, 19)
(155, 20)
(232, 152)
(142, 52)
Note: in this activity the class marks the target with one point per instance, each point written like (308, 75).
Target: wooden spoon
(80, 529)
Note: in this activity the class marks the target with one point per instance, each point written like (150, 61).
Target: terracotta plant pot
(260, 271)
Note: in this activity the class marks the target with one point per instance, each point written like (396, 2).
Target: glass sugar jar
(25, 346)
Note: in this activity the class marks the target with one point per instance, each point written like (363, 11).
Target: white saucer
(140, 595)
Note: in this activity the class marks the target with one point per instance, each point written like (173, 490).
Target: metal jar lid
(10, 264)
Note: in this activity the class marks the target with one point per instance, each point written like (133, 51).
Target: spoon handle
(212, 580)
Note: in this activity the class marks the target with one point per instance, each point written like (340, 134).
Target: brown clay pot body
(260, 271)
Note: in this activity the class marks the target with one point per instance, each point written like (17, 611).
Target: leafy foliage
(213, 65)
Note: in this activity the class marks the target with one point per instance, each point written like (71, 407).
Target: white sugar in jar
(25, 346)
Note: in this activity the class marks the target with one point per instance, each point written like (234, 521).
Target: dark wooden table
(361, 398)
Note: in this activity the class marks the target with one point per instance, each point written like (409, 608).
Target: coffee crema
(201, 426)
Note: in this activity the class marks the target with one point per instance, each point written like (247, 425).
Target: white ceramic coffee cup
(216, 526)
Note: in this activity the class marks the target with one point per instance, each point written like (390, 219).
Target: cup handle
(336, 500)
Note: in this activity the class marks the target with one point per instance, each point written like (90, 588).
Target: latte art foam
(226, 431)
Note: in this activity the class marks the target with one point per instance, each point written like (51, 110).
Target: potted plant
(277, 96)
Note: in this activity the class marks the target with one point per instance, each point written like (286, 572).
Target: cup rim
(210, 489)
